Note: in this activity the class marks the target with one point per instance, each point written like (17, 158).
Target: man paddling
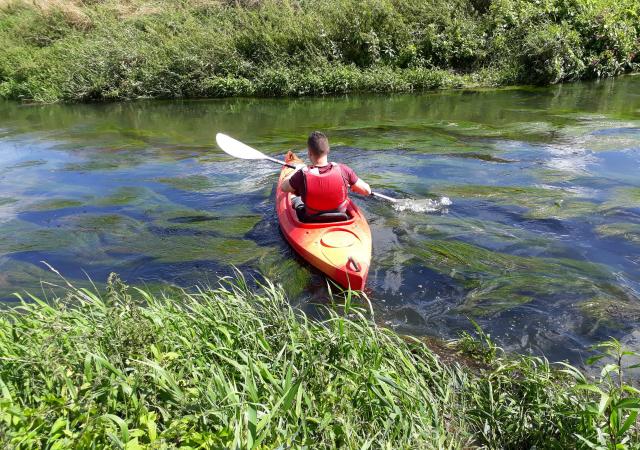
(322, 188)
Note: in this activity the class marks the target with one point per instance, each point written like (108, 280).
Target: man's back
(322, 187)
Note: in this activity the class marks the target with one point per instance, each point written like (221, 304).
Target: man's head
(318, 146)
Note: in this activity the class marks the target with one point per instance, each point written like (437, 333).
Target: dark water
(541, 245)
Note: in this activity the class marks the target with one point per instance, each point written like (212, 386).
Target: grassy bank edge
(328, 80)
(233, 367)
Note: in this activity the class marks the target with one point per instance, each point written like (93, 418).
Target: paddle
(240, 150)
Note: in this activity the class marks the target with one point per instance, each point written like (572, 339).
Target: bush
(553, 54)
(111, 50)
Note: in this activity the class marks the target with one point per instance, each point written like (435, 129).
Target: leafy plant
(609, 420)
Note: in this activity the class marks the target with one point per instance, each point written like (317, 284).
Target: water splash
(422, 205)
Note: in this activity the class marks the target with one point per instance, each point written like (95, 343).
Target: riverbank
(238, 368)
(54, 51)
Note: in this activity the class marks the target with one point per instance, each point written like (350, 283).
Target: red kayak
(341, 250)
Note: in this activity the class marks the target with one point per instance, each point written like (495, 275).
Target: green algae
(420, 139)
(122, 196)
(480, 157)
(548, 175)
(565, 208)
(21, 236)
(123, 234)
(16, 275)
(41, 279)
(498, 281)
(97, 165)
(622, 198)
(285, 271)
(227, 224)
(470, 228)
(99, 222)
(195, 183)
(109, 227)
(127, 195)
(624, 230)
(612, 312)
(55, 203)
(93, 236)
(540, 203)
(176, 248)
(28, 163)
(531, 130)
(7, 201)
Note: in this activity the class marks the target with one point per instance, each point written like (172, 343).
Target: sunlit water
(540, 243)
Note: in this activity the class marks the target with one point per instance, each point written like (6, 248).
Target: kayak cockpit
(342, 219)
(297, 204)
(331, 217)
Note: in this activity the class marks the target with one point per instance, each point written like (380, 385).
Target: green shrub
(552, 54)
(112, 50)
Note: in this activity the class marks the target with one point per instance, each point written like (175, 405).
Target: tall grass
(52, 50)
(237, 368)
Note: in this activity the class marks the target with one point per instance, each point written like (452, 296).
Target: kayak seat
(296, 203)
(323, 218)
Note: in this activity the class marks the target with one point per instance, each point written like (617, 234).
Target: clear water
(540, 244)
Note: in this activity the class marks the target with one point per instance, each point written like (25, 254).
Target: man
(323, 186)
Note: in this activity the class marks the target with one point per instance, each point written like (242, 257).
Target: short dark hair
(318, 144)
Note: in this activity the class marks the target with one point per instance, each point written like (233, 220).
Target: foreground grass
(53, 50)
(235, 368)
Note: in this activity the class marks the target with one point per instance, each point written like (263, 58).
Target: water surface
(541, 245)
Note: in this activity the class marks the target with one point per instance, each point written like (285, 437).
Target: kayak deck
(341, 250)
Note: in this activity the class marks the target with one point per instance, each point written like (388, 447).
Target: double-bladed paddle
(241, 150)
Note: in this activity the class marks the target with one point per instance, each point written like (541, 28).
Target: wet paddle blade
(237, 149)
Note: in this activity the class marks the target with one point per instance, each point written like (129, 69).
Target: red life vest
(324, 192)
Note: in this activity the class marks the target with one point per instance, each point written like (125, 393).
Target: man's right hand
(361, 187)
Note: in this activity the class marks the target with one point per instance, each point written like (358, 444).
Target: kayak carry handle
(355, 264)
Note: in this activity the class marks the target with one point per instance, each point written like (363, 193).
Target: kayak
(341, 250)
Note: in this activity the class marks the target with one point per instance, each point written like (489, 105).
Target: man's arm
(285, 185)
(361, 187)
(357, 185)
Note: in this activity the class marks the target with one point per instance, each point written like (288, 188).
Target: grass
(53, 50)
(233, 367)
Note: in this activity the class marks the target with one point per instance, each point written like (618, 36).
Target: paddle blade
(237, 149)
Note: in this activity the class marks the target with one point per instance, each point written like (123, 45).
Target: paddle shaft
(237, 149)
(279, 162)
(391, 199)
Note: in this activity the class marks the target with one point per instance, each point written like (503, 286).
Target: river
(541, 245)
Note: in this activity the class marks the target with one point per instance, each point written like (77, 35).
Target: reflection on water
(541, 243)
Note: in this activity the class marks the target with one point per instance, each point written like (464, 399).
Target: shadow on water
(540, 245)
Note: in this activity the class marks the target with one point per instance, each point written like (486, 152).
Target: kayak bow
(341, 250)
